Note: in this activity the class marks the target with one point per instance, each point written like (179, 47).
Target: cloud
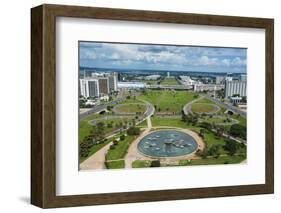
(205, 60)
(120, 55)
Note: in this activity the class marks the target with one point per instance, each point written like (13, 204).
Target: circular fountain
(167, 143)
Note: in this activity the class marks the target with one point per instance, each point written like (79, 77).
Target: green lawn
(211, 139)
(150, 82)
(131, 108)
(141, 164)
(208, 101)
(211, 161)
(242, 120)
(85, 128)
(166, 121)
(119, 164)
(120, 149)
(143, 124)
(167, 100)
(94, 149)
(203, 108)
(169, 82)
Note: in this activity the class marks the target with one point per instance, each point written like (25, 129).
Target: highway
(99, 108)
(232, 108)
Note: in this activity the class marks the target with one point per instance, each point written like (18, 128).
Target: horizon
(169, 58)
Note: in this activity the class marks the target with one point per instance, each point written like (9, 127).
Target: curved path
(186, 108)
(96, 161)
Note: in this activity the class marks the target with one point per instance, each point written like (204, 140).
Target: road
(232, 108)
(99, 108)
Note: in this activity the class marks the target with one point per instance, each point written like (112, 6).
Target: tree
(133, 131)
(134, 122)
(231, 146)
(238, 130)
(206, 125)
(122, 137)
(155, 163)
(183, 116)
(214, 151)
(202, 132)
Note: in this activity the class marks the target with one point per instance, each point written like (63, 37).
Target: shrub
(115, 142)
(155, 163)
(133, 131)
(122, 137)
(231, 146)
(112, 146)
(238, 130)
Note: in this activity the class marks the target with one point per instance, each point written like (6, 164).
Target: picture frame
(43, 105)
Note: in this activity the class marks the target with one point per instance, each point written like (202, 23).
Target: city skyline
(162, 57)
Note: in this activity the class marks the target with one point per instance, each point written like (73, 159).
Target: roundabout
(206, 108)
(130, 108)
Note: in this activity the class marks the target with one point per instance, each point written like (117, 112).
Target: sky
(162, 57)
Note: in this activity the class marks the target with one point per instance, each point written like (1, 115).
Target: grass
(143, 124)
(141, 164)
(169, 82)
(120, 149)
(94, 149)
(212, 161)
(85, 128)
(166, 121)
(241, 119)
(119, 164)
(131, 108)
(150, 82)
(211, 140)
(167, 100)
(202, 108)
(208, 101)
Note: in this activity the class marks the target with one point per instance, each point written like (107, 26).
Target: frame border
(43, 105)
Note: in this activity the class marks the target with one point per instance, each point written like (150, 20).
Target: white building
(168, 74)
(186, 80)
(235, 88)
(112, 81)
(220, 79)
(89, 87)
(243, 77)
(207, 87)
(152, 77)
(127, 85)
(228, 78)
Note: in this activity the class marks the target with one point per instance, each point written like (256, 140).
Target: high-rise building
(220, 79)
(168, 74)
(112, 81)
(89, 87)
(235, 88)
(243, 77)
(93, 87)
(103, 85)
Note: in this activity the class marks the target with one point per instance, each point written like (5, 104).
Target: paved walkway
(96, 161)
(187, 107)
(133, 154)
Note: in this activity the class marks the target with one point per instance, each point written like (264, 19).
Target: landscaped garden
(208, 119)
